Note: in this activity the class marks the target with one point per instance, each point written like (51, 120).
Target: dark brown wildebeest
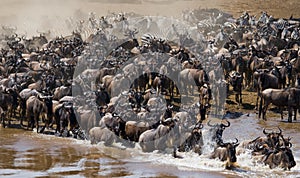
(194, 140)
(102, 97)
(264, 81)
(7, 103)
(217, 131)
(226, 151)
(204, 100)
(236, 81)
(280, 157)
(282, 98)
(65, 118)
(34, 109)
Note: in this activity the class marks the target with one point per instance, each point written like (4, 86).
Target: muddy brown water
(27, 154)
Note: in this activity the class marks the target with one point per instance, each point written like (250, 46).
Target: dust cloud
(30, 16)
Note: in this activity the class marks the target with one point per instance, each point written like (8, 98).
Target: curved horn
(228, 124)
(105, 106)
(115, 115)
(280, 131)
(264, 131)
(18, 39)
(200, 126)
(170, 106)
(125, 94)
(210, 124)
(236, 141)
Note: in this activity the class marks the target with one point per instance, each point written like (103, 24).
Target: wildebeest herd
(104, 83)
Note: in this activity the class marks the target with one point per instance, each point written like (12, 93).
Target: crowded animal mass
(158, 85)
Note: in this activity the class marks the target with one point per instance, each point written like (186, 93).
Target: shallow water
(36, 155)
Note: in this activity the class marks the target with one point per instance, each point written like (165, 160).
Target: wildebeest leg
(281, 112)
(3, 120)
(241, 100)
(237, 98)
(36, 121)
(290, 113)
(265, 109)
(46, 125)
(257, 97)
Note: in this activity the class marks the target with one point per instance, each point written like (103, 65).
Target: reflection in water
(38, 155)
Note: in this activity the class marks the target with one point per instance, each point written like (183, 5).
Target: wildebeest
(194, 140)
(264, 81)
(62, 91)
(217, 131)
(134, 129)
(191, 78)
(65, 119)
(282, 98)
(164, 136)
(204, 101)
(261, 145)
(34, 109)
(280, 157)
(236, 80)
(102, 97)
(226, 151)
(98, 134)
(7, 103)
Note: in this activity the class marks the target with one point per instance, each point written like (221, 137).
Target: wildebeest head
(236, 80)
(102, 97)
(168, 113)
(217, 130)
(273, 137)
(118, 125)
(231, 150)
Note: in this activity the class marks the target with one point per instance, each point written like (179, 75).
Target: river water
(28, 154)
